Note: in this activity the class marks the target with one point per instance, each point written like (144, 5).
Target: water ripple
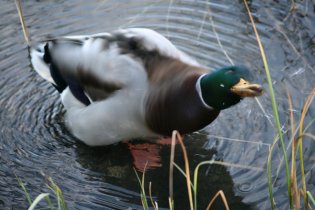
(34, 142)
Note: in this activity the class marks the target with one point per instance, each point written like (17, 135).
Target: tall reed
(297, 145)
(191, 187)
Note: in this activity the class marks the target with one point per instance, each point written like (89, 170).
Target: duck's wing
(79, 63)
(146, 41)
(95, 67)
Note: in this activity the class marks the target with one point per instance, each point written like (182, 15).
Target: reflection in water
(114, 164)
(34, 140)
(145, 155)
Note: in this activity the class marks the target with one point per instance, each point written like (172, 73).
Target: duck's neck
(179, 108)
(199, 91)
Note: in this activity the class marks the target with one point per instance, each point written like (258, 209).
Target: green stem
(311, 197)
(300, 143)
(270, 185)
(195, 181)
(303, 173)
(27, 195)
(274, 106)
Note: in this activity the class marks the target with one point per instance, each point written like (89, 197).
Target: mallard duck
(135, 83)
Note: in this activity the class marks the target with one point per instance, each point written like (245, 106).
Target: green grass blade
(37, 200)
(196, 179)
(27, 195)
(311, 136)
(142, 192)
(49, 202)
(183, 173)
(180, 170)
(270, 184)
(274, 106)
(154, 204)
(300, 145)
(311, 197)
(171, 203)
(58, 193)
(171, 175)
(309, 125)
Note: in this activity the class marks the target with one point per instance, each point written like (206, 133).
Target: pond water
(34, 142)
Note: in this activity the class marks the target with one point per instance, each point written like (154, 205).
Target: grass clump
(294, 193)
(192, 187)
(61, 204)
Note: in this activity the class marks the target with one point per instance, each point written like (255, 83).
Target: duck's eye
(229, 72)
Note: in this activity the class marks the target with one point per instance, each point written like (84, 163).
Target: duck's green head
(227, 86)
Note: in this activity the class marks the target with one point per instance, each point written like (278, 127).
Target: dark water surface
(34, 142)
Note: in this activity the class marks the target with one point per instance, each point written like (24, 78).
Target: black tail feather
(47, 57)
(61, 84)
